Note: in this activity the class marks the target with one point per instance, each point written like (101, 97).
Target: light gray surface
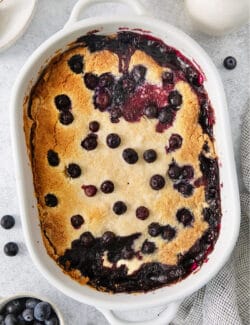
(18, 274)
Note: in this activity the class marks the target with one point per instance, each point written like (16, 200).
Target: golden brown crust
(131, 181)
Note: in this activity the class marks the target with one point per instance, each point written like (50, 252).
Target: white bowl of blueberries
(28, 309)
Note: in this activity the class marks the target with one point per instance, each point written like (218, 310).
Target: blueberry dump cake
(119, 130)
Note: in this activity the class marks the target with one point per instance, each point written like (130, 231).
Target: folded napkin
(225, 299)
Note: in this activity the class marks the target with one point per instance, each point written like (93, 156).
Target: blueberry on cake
(119, 130)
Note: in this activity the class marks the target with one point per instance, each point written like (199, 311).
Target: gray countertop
(18, 274)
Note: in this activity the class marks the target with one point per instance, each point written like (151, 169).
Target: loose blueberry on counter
(90, 142)
(102, 99)
(113, 140)
(148, 247)
(142, 213)
(66, 118)
(185, 217)
(166, 115)
(14, 306)
(7, 222)
(187, 172)
(130, 156)
(174, 171)
(31, 303)
(230, 62)
(184, 188)
(76, 63)
(52, 321)
(175, 142)
(87, 239)
(53, 158)
(106, 80)
(150, 155)
(11, 249)
(167, 77)
(94, 126)
(42, 311)
(63, 103)
(119, 207)
(10, 319)
(175, 99)
(168, 232)
(138, 73)
(76, 221)
(108, 237)
(107, 187)
(28, 315)
(154, 229)
(73, 170)
(89, 190)
(157, 182)
(91, 80)
(51, 200)
(151, 111)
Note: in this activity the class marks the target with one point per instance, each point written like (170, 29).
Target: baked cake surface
(119, 130)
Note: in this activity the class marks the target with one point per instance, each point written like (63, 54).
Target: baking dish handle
(163, 318)
(81, 5)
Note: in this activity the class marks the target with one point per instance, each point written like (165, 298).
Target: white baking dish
(229, 191)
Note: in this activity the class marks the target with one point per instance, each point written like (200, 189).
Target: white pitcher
(217, 17)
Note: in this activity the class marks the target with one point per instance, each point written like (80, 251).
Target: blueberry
(20, 320)
(102, 99)
(66, 118)
(128, 84)
(115, 114)
(14, 306)
(90, 142)
(37, 323)
(31, 303)
(106, 80)
(76, 63)
(94, 126)
(142, 213)
(53, 158)
(63, 102)
(76, 221)
(1, 319)
(193, 77)
(127, 253)
(148, 247)
(157, 182)
(7, 222)
(10, 319)
(130, 156)
(174, 171)
(87, 239)
(89, 190)
(139, 73)
(185, 217)
(168, 232)
(113, 140)
(175, 142)
(42, 311)
(184, 188)
(28, 315)
(51, 200)
(73, 170)
(229, 62)
(166, 115)
(175, 98)
(52, 321)
(11, 249)
(150, 155)
(151, 111)
(108, 237)
(187, 172)
(167, 77)
(119, 207)
(91, 80)
(154, 229)
(107, 187)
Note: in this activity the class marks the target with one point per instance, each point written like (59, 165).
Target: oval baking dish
(229, 189)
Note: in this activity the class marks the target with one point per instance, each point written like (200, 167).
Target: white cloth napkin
(225, 299)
